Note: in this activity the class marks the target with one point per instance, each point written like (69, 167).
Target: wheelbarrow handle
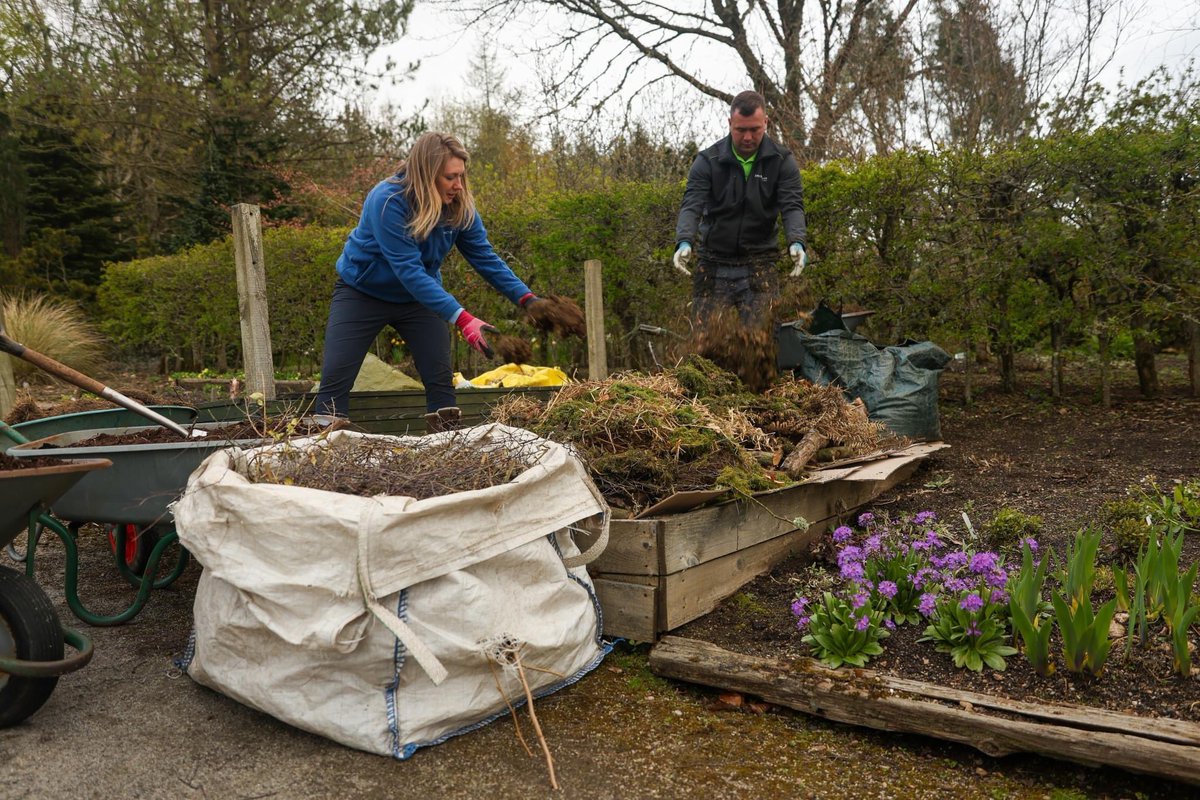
(60, 370)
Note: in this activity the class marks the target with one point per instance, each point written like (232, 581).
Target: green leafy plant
(1026, 605)
(840, 634)
(1084, 630)
(1084, 633)
(1009, 527)
(973, 636)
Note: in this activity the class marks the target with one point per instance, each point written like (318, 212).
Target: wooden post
(593, 301)
(8, 385)
(252, 301)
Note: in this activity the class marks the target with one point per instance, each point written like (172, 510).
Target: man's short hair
(746, 103)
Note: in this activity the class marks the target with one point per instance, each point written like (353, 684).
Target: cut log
(994, 725)
(798, 459)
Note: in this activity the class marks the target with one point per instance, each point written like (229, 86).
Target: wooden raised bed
(393, 412)
(997, 726)
(660, 571)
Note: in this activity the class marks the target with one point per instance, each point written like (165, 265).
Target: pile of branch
(646, 437)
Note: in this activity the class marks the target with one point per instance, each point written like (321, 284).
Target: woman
(389, 273)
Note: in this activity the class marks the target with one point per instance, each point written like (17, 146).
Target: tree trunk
(1194, 357)
(1008, 368)
(967, 365)
(1056, 360)
(1143, 359)
(1104, 346)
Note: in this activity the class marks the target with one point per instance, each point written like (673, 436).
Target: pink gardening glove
(472, 330)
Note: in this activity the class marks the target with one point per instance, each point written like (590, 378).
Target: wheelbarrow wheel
(139, 543)
(29, 631)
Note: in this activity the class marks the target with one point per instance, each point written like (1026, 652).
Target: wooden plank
(8, 384)
(694, 592)
(252, 300)
(632, 547)
(593, 302)
(629, 609)
(989, 724)
(705, 534)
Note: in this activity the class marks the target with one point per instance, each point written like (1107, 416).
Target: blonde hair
(418, 174)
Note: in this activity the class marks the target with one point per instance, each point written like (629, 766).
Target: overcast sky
(1159, 32)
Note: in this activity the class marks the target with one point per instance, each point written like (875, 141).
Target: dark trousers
(355, 319)
(748, 285)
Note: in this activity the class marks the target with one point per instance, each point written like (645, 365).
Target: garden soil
(130, 725)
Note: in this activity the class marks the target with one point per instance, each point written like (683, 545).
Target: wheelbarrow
(31, 636)
(137, 546)
(137, 491)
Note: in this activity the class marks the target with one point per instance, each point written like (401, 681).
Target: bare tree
(804, 56)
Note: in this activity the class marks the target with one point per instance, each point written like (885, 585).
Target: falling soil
(511, 349)
(559, 315)
(748, 351)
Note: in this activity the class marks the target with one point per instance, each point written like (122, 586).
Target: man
(736, 190)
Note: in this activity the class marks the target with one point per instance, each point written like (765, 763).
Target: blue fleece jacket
(382, 259)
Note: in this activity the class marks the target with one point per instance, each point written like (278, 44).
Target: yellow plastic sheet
(511, 376)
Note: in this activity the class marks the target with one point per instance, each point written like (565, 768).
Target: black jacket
(735, 215)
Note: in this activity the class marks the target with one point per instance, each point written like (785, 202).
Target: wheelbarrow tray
(144, 478)
(23, 490)
(94, 420)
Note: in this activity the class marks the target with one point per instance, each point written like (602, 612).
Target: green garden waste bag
(898, 384)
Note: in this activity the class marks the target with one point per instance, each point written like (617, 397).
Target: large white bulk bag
(368, 620)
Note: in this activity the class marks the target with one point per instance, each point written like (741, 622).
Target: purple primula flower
(932, 538)
(984, 562)
(888, 589)
(923, 576)
(799, 605)
(972, 629)
(848, 554)
(865, 519)
(842, 534)
(859, 600)
(998, 578)
(802, 622)
(999, 596)
(891, 626)
(1033, 545)
(853, 571)
(863, 623)
(955, 584)
(872, 544)
(928, 604)
(971, 602)
(924, 517)
(951, 561)
(920, 544)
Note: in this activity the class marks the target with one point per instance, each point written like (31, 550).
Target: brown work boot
(444, 419)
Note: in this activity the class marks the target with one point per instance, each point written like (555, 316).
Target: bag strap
(593, 552)
(399, 628)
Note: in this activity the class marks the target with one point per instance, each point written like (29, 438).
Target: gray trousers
(355, 319)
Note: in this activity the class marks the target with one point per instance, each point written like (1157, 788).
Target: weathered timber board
(628, 609)
(397, 413)
(708, 533)
(996, 726)
(692, 593)
(663, 545)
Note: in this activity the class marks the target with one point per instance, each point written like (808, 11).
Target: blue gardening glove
(799, 259)
(683, 255)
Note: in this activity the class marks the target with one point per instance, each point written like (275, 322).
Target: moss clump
(1009, 527)
(701, 378)
(744, 481)
(1130, 535)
